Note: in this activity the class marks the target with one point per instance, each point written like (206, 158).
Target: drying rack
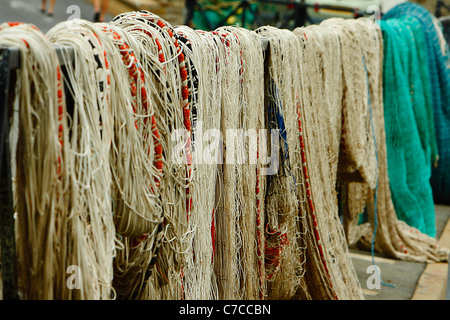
(10, 62)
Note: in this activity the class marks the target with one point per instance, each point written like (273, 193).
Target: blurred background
(210, 14)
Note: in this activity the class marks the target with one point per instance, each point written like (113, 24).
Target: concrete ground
(412, 280)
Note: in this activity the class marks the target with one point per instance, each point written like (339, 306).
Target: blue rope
(275, 111)
(376, 187)
(374, 235)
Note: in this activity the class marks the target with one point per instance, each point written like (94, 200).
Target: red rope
(310, 202)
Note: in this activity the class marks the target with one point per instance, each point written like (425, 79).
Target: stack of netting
(417, 101)
(405, 150)
(197, 165)
(410, 136)
(437, 61)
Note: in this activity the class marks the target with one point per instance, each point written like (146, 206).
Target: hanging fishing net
(438, 61)
(171, 163)
(408, 141)
(383, 232)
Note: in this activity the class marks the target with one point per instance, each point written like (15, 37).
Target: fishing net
(202, 54)
(155, 257)
(93, 230)
(284, 225)
(409, 164)
(437, 53)
(319, 120)
(313, 139)
(195, 164)
(384, 232)
(239, 217)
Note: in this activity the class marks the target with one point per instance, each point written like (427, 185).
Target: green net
(410, 138)
(212, 14)
(438, 64)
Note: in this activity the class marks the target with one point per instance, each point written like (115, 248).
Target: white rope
(42, 177)
(91, 131)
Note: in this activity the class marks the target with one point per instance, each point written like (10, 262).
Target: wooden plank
(432, 283)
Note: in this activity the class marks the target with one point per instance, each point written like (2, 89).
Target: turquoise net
(409, 125)
(439, 71)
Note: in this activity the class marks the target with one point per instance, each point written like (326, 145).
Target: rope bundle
(285, 227)
(438, 56)
(91, 135)
(393, 236)
(43, 171)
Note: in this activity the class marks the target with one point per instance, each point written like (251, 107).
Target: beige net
(239, 217)
(328, 246)
(155, 258)
(285, 231)
(42, 186)
(309, 58)
(202, 55)
(162, 188)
